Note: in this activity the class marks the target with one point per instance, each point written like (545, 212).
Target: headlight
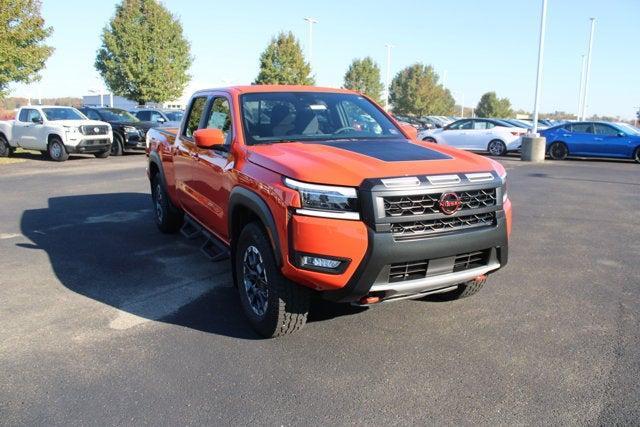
(326, 201)
(72, 129)
(130, 129)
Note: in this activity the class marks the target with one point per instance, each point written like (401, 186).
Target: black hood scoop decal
(389, 151)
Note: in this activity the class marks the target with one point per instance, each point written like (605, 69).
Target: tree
(492, 106)
(144, 55)
(22, 49)
(415, 91)
(363, 76)
(282, 62)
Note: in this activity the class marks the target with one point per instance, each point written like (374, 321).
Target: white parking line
(4, 236)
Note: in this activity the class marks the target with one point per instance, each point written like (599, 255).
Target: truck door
(27, 130)
(212, 174)
(185, 155)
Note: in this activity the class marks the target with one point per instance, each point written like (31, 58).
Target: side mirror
(161, 120)
(409, 131)
(208, 138)
(36, 120)
(621, 134)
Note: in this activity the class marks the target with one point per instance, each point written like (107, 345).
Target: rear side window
(582, 128)
(220, 118)
(145, 116)
(92, 114)
(481, 125)
(194, 116)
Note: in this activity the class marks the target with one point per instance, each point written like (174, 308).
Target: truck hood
(350, 162)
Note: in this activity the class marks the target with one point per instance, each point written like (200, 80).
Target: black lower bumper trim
(383, 250)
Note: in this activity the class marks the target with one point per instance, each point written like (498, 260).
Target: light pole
(533, 146)
(584, 64)
(462, 105)
(388, 83)
(311, 21)
(543, 22)
(586, 79)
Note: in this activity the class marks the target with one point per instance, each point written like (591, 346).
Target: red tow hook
(480, 278)
(366, 300)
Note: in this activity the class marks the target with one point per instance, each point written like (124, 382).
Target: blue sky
(482, 45)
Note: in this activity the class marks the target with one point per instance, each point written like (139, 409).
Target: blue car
(593, 139)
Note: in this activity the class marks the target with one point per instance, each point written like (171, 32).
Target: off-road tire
(168, 217)
(497, 147)
(56, 150)
(117, 146)
(558, 150)
(467, 289)
(287, 302)
(5, 148)
(103, 154)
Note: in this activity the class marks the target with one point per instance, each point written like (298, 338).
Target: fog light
(312, 261)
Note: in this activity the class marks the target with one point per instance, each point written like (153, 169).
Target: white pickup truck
(56, 132)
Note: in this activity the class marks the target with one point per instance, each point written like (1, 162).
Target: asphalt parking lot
(106, 321)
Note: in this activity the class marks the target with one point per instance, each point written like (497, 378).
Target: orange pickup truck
(319, 191)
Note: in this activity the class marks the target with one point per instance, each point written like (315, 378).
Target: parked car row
(59, 131)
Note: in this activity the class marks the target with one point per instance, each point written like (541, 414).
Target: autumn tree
(144, 55)
(282, 62)
(22, 49)
(415, 90)
(363, 76)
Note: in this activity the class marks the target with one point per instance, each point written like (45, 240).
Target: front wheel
(117, 146)
(497, 148)
(56, 150)
(103, 154)
(274, 305)
(558, 151)
(466, 289)
(5, 148)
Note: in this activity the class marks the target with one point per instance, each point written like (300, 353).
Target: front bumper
(135, 140)
(92, 145)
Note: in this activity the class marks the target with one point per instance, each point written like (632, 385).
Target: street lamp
(386, 102)
(584, 64)
(311, 21)
(586, 79)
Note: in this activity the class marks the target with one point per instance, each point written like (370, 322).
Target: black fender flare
(241, 196)
(154, 158)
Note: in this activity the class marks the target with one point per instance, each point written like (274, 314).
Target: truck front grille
(417, 229)
(422, 204)
(94, 129)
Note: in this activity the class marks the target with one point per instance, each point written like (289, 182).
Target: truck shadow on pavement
(107, 247)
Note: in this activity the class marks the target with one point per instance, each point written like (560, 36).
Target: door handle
(597, 139)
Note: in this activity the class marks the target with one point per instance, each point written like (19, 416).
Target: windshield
(53, 114)
(626, 128)
(174, 116)
(117, 115)
(318, 116)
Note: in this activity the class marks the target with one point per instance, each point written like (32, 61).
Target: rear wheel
(497, 148)
(168, 217)
(5, 148)
(558, 151)
(117, 146)
(274, 305)
(429, 139)
(57, 151)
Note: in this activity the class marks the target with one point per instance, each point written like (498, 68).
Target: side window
(479, 125)
(92, 115)
(460, 124)
(34, 116)
(145, 116)
(24, 114)
(154, 117)
(194, 115)
(606, 130)
(466, 125)
(357, 118)
(220, 118)
(582, 128)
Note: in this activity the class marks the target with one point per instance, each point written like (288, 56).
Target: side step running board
(212, 247)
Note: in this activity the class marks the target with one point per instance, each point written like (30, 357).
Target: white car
(492, 135)
(55, 131)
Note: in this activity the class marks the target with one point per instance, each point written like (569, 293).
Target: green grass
(10, 160)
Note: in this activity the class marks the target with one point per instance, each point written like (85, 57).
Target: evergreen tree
(363, 76)
(282, 62)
